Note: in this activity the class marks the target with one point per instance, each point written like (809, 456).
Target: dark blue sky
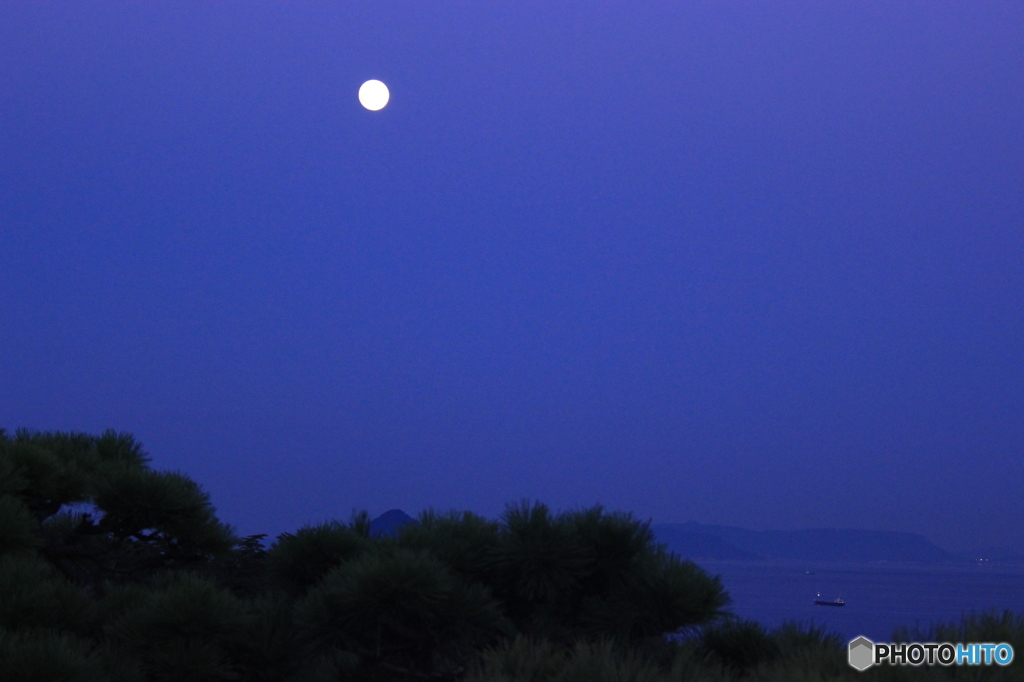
(748, 263)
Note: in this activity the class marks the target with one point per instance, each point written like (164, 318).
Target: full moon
(374, 95)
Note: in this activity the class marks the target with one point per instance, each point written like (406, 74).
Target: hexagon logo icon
(862, 653)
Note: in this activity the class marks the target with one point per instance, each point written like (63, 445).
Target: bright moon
(374, 95)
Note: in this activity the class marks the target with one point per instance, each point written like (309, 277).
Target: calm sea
(879, 596)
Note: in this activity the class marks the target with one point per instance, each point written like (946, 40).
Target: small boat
(824, 602)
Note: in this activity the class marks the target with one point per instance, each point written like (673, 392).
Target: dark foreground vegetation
(113, 572)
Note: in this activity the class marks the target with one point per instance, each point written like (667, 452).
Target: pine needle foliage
(245, 570)
(184, 629)
(19, 529)
(617, 543)
(144, 505)
(11, 479)
(48, 656)
(113, 572)
(463, 541)
(739, 644)
(34, 596)
(540, 564)
(401, 610)
(521, 659)
(598, 573)
(588, 660)
(49, 469)
(987, 626)
(270, 648)
(141, 521)
(299, 560)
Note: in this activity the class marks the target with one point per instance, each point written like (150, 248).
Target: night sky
(750, 263)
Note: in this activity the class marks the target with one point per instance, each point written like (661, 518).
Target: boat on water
(824, 602)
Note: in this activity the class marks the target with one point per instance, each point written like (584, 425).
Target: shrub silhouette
(987, 626)
(34, 596)
(399, 610)
(739, 644)
(185, 628)
(19, 528)
(245, 569)
(596, 573)
(298, 561)
(616, 542)
(113, 572)
(103, 555)
(542, 559)
(464, 542)
(47, 656)
(141, 521)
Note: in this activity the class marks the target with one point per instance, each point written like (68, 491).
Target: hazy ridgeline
(110, 571)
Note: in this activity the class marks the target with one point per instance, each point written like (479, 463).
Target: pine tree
(135, 522)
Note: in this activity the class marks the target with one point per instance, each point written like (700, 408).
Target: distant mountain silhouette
(389, 523)
(695, 540)
(692, 543)
(997, 554)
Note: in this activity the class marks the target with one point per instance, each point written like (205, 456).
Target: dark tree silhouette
(135, 521)
(113, 572)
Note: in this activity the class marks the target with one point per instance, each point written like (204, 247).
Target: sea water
(879, 596)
